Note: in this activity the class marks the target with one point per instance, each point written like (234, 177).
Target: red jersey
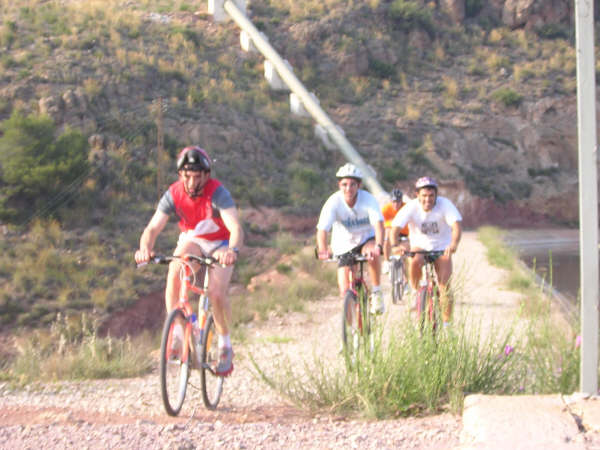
(197, 213)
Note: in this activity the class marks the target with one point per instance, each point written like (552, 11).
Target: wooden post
(160, 148)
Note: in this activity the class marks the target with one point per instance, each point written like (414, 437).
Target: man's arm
(322, 250)
(236, 236)
(456, 234)
(394, 232)
(149, 235)
(232, 222)
(379, 234)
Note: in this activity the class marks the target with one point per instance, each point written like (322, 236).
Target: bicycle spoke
(212, 384)
(174, 371)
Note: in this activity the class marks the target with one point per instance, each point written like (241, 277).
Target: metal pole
(588, 194)
(309, 103)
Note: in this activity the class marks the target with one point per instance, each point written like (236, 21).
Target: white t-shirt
(350, 227)
(431, 230)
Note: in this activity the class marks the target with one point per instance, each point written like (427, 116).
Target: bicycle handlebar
(425, 252)
(163, 259)
(336, 258)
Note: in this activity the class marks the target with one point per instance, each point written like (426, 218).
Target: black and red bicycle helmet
(193, 158)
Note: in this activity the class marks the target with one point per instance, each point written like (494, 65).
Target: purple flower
(578, 341)
(508, 349)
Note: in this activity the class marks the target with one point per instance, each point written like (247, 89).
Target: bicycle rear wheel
(351, 324)
(174, 366)
(398, 281)
(212, 384)
(422, 306)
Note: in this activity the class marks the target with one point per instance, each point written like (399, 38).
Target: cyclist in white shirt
(434, 224)
(354, 219)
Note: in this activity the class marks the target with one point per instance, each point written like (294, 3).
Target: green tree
(36, 165)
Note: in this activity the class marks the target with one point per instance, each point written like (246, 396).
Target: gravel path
(129, 414)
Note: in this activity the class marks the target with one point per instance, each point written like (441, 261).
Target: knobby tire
(174, 372)
(397, 275)
(351, 324)
(212, 384)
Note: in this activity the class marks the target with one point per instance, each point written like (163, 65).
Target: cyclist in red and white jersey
(209, 225)
(434, 224)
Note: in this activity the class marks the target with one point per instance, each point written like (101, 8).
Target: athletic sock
(224, 341)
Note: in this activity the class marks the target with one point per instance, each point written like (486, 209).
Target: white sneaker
(385, 267)
(377, 304)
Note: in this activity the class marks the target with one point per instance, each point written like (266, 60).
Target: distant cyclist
(209, 225)
(435, 225)
(354, 219)
(389, 211)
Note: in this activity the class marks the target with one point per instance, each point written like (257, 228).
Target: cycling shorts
(207, 247)
(347, 259)
(432, 257)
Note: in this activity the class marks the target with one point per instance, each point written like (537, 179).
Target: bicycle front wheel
(422, 306)
(212, 384)
(351, 324)
(174, 366)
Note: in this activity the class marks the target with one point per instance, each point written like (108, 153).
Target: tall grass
(414, 373)
(71, 349)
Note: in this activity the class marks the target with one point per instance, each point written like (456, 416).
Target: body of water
(554, 254)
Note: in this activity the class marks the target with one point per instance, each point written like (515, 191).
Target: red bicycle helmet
(424, 182)
(193, 158)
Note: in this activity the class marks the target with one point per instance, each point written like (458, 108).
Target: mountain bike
(428, 293)
(357, 320)
(397, 277)
(199, 347)
(356, 317)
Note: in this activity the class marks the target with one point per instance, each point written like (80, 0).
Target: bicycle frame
(197, 352)
(428, 287)
(188, 278)
(356, 276)
(188, 283)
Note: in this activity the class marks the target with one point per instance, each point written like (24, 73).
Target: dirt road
(129, 414)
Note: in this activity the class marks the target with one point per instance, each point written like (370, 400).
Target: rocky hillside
(479, 93)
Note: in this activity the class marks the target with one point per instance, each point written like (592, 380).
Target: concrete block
(247, 43)
(215, 7)
(273, 77)
(297, 107)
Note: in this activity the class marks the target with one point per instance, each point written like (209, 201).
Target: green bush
(473, 7)
(507, 97)
(381, 69)
(409, 14)
(553, 31)
(37, 167)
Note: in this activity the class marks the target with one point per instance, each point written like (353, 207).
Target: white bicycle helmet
(349, 170)
(426, 182)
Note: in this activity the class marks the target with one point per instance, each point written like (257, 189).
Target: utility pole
(160, 149)
(588, 194)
